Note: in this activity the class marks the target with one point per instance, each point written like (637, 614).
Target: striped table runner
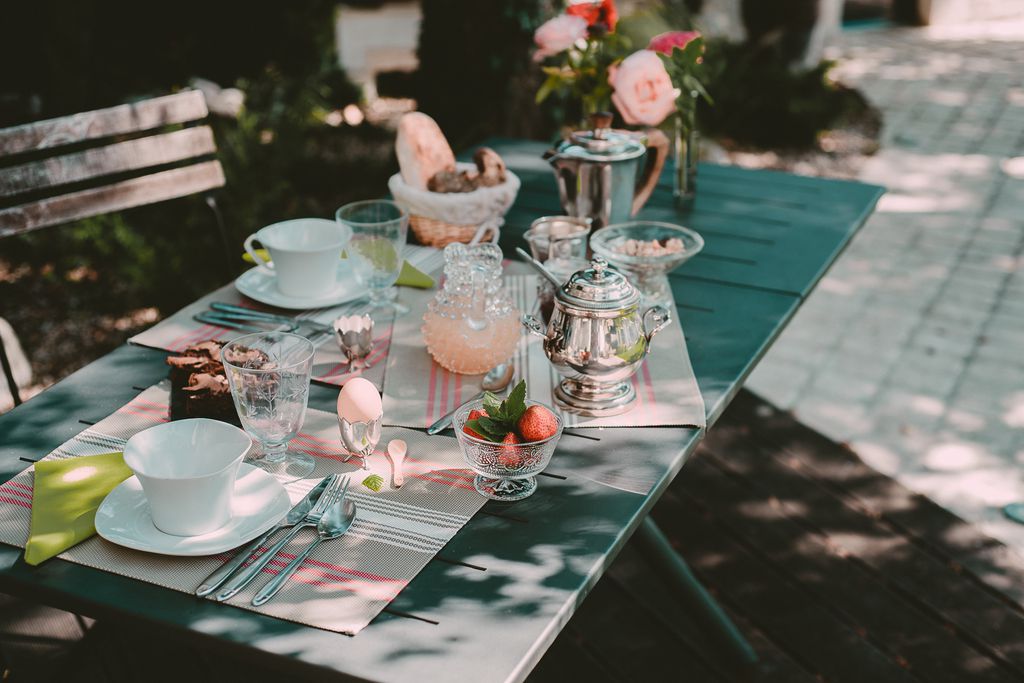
(417, 391)
(347, 581)
(329, 365)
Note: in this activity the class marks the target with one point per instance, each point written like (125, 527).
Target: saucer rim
(140, 544)
(340, 294)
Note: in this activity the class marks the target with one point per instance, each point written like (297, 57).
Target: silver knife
(249, 573)
(241, 313)
(294, 516)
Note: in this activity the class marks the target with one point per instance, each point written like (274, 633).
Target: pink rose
(665, 42)
(643, 90)
(558, 34)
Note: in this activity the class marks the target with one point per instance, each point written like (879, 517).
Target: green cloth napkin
(411, 276)
(65, 498)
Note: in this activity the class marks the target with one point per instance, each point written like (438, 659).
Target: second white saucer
(259, 502)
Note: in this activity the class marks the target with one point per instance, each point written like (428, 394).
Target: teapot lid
(598, 287)
(602, 143)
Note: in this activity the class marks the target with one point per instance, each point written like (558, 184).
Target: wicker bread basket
(440, 218)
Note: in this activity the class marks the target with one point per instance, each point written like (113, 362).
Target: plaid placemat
(329, 364)
(347, 581)
(417, 391)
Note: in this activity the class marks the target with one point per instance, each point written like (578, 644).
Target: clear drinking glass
(269, 377)
(379, 228)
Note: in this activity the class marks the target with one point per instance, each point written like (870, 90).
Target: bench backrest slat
(121, 157)
(182, 107)
(148, 189)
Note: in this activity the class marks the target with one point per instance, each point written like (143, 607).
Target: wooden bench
(73, 167)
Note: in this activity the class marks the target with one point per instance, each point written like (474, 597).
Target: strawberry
(537, 424)
(510, 457)
(473, 415)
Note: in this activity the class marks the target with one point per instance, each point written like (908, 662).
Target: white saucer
(259, 503)
(258, 285)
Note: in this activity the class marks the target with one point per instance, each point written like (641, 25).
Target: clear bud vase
(684, 154)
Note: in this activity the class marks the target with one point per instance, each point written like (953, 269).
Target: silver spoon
(334, 523)
(496, 379)
(397, 448)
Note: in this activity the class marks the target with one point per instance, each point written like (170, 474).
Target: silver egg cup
(360, 438)
(355, 337)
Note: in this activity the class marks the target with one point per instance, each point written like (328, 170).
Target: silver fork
(334, 523)
(331, 496)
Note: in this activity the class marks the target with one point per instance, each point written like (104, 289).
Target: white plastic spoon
(397, 449)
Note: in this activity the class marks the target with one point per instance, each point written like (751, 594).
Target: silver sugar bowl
(597, 339)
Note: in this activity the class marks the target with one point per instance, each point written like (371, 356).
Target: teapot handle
(657, 318)
(657, 141)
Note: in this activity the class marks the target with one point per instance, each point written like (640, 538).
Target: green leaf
(494, 430)
(492, 404)
(483, 431)
(515, 405)
(553, 82)
(374, 482)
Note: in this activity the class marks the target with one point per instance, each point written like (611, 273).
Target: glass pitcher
(472, 324)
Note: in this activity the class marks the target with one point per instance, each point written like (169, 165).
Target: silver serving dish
(597, 339)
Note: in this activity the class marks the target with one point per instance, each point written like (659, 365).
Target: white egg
(359, 401)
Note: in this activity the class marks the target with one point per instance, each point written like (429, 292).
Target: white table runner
(418, 391)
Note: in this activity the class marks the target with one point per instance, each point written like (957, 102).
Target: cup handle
(658, 142)
(261, 263)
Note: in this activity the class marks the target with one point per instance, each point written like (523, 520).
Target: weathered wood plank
(964, 576)
(618, 632)
(929, 524)
(895, 622)
(178, 182)
(119, 157)
(647, 589)
(182, 107)
(832, 649)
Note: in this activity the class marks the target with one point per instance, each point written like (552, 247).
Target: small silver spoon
(496, 379)
(397, 448)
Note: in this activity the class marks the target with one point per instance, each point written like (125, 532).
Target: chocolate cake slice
(199, 387)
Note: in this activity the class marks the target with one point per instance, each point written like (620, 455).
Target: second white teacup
(187, 470)
(304, 254)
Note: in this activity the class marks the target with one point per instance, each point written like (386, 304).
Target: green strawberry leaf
(515, 405)
(374, 482)
(492, 404)
(482, 430)
(494, 430)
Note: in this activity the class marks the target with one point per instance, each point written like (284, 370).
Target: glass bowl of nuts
(646, 251)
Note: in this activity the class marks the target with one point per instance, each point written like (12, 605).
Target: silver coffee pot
(597, 171)
(597, 339)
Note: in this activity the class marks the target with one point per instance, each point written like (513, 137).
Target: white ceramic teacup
(304, 254)
(187, 470)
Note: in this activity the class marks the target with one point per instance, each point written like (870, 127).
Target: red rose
(666, 42)
(596, 12)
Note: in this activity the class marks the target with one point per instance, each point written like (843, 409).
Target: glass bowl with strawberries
(507, 443)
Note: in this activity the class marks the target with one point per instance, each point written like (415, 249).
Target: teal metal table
(496, 597)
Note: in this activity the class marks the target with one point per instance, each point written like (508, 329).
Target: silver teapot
(597, 171)
(597, 339)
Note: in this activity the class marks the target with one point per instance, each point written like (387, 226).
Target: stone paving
(912, 348)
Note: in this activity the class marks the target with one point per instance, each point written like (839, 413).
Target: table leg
(667, 562)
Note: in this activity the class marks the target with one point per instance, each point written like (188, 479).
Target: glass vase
(684, 172)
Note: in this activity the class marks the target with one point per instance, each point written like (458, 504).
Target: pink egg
(359, 401)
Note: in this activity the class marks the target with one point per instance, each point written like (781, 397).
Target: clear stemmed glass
(269, 376)
(379, 228)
